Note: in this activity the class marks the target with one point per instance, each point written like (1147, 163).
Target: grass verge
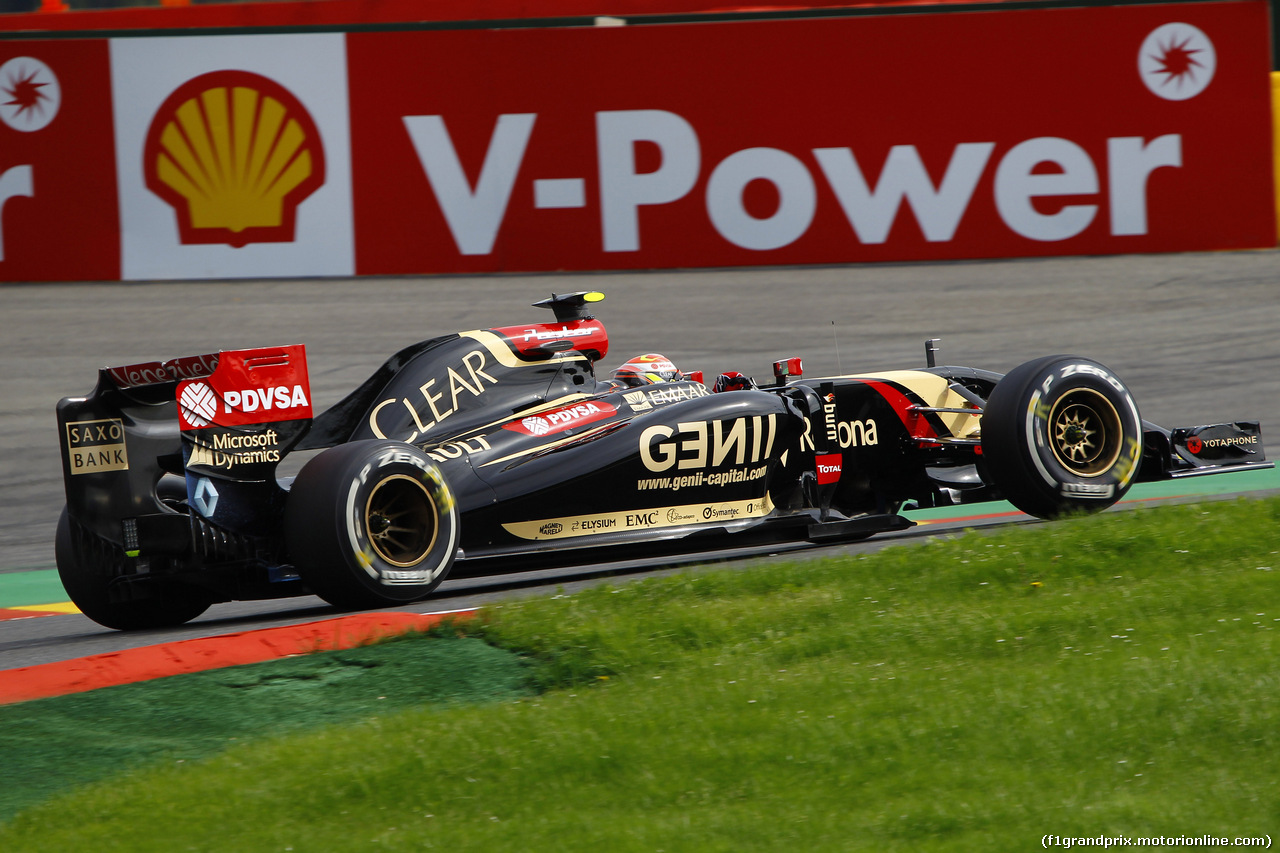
(1108, 675)
(51, 745)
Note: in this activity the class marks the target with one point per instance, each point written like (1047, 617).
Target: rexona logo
(234, 153)
(562, 419)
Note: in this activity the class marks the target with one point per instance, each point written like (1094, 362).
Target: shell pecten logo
(234, 153)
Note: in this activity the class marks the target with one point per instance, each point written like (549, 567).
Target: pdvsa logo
(199, 404)
(234, 153)
(563, 418)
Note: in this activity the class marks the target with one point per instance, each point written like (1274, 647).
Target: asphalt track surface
(1195, 336)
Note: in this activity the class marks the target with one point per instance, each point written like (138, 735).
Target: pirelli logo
(96, 446)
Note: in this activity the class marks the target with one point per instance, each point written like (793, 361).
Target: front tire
(1061, 434)
(86, 565)
(371, 524)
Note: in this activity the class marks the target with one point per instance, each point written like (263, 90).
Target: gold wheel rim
(401, 520)
(1085, 432)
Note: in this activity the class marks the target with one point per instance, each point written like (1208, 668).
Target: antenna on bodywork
(931, 350)
(571, 306)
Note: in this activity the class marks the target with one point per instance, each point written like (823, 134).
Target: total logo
(828, 467)
(234, 154)
(562, 419)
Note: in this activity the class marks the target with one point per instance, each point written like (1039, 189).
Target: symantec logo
(234, 153)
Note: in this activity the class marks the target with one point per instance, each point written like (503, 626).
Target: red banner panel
(182, 14)
(58, 215)
(965, 135)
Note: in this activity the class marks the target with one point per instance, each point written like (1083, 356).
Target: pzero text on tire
(371, 524)
(1061, 433)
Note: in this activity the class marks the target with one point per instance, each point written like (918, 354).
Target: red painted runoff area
(160, 661)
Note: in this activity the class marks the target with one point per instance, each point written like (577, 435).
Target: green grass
(51, 745)
(1106, 675)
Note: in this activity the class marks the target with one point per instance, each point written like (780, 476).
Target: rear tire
(86, 564)
(1061, 434)
(371, 524)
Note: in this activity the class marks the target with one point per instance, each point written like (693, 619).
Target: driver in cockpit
(652, 368)
(646, 370)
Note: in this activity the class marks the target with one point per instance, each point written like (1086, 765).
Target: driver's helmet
(647, 369)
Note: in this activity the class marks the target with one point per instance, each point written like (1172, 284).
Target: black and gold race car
(500, 449)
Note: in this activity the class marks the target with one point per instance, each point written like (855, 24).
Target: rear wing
(220, 421)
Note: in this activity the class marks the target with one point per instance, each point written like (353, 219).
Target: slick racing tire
(371, 524)
(1061, 434)
(86, 564)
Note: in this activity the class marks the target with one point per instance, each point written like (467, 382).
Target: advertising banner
(233, 159)
(842, 140)
(968, 135)
(58, 219)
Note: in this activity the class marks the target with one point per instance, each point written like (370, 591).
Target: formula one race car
(501, 449)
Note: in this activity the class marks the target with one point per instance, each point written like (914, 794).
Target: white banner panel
(233, 156)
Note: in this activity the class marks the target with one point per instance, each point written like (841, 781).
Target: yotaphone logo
(234, 153)
(1177, 61)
